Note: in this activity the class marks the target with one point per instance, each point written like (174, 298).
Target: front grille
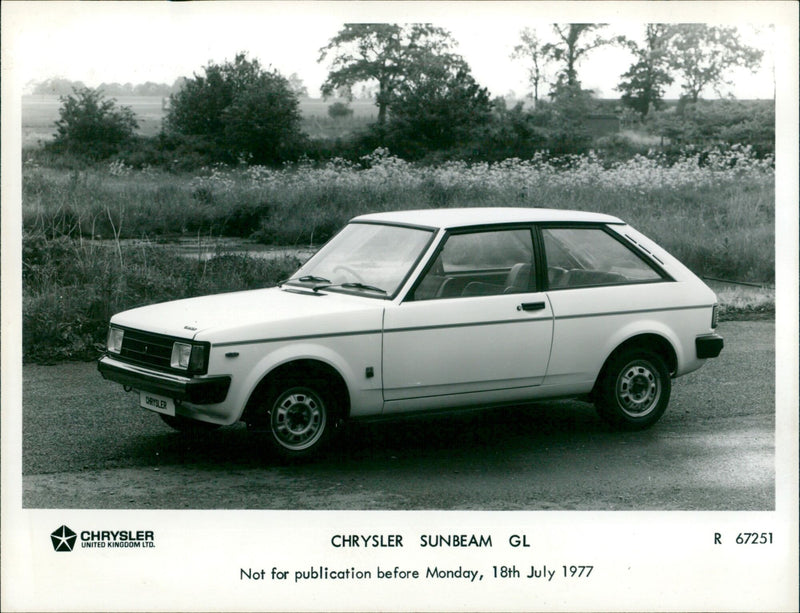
(147, 349)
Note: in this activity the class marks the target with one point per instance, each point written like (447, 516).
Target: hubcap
(298, 419)
(638, 388)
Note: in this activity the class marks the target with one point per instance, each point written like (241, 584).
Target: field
(40, 112)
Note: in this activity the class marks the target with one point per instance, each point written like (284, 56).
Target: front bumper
(195, 390)
(708, 346)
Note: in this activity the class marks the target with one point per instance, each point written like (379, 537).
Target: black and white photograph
(399, 306)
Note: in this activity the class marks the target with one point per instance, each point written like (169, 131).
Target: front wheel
(634, 389)
(301, 419)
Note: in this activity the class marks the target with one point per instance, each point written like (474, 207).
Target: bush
(511, 133)
(262, 123)
(339, 110)
(441, 108)
(91, 125)
(727, 122)
(239, 111)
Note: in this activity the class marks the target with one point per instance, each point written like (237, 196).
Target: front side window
(372, 259)
(480, 264)
(586, 257)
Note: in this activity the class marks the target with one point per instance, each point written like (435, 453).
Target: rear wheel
(634, 389)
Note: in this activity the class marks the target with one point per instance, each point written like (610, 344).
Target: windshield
(372, 259)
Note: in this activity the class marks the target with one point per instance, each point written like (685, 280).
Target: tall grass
(72, 287)
(714, 211)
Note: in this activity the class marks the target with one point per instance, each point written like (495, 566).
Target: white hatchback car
(423, 311)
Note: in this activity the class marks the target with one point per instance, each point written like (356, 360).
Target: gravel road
(87, 445)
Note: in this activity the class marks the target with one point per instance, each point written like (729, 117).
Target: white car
(423, 311)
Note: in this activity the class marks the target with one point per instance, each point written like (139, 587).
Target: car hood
(236, 315)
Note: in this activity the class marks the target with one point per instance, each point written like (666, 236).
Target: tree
(381, 52)
(57, 86)
(151, 89)
(438, 106)
(643, 85)
(91, 125)
(262, 123)
(532, 48)
(297, 85)
(567, 111)
(236, 107)
(571, 47)
(703, 54)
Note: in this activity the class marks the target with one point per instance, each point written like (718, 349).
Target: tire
(633, 390)
(301, 418)
(188, 426)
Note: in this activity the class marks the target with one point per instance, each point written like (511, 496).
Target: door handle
(531, 306)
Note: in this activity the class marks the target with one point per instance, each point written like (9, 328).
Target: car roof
(478, 216)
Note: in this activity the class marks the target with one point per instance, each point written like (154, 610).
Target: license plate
(159, 404)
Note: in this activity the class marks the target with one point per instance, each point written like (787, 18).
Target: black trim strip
(480, 391)
(528, 319)
(294, 338)
(609, 313)
(473, 324)
(461, 325)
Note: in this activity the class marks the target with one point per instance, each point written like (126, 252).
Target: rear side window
(587, 257)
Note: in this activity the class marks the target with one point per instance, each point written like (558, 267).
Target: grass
(737, 303)
(72, 287)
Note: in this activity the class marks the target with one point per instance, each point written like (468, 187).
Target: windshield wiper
(323, 283)
(307, 279)
(363, 286)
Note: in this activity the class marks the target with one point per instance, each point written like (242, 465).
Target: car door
(473, 324)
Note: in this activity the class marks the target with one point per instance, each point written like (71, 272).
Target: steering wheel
(343, 267)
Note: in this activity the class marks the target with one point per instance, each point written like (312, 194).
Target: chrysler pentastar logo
(63, 539)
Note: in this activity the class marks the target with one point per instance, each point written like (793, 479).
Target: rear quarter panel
(590, 323)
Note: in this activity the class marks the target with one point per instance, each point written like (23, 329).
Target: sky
(160, 41)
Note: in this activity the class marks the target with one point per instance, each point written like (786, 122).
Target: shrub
(91, 125)
(441, 108)
(511, 133)
(240, 111)
(729, 122)
(339, 110)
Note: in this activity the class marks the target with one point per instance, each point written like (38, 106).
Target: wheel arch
(311, 369)
(651, 341)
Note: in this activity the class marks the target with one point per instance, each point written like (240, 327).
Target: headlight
(187, 356)
(114, 340)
